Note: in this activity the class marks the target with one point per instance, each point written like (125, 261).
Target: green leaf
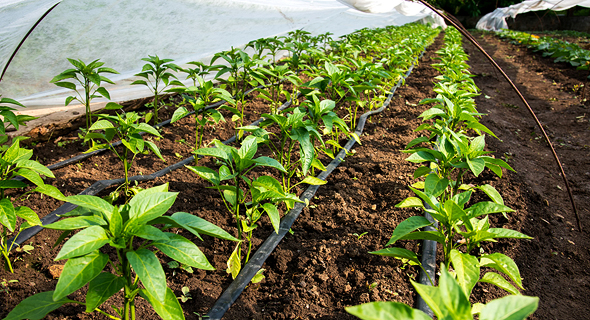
(434, 185)
(179, 114)
(78, 272)
(35, 166)
(382, 310)
(507, 233)
(407, 226)
(101, 125)
(492, 193)
(168, 309)
(269, 162)
(467, 269)
(213, 152)
(28, 214)
(149, 129)
(206, 173)
(101, 288)
(273, 214)
(476, 165)
(182, 250)
(150, 233)
(12, 184)
(113, 106)
(76, 223)
(425, 235)
(65, 84)
(104, 92)
(51, 191)
(7, 214)
(499, 281)
(410, 202)
(432, 297)
(36, 307)
(456, 303)
(399, 253)
(233, 263)
(93, 203)
(486, 207)
(145, 207)
(504, 264)
(424, 170)
(313, 181)
(202, 226)
(510, 308)
(258, 276)
(421, 156)
(149, 270)
(83, 242)
(31, 176)
(248, 148)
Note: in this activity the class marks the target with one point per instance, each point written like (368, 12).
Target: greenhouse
(295, 159)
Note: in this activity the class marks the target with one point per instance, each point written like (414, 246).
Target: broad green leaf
(486, 207)
(313, 181)
(249, 148)
(431, 201)
(382, 310)
(425, 235)
(150, 233)
(510, 308)
(202, 226)
(182, 250)
(410, 202)
(101, 125)
(179, 113)
(504, 264)
(28, 214)
(7, 214)
(75, 223)
(456, 303)
(507, 233)
(273, 214)
(407, 226)
(492, 193)
(499, 281)
(432, 297)
(93, 203)
(83, 242)
(421, 156)
(78, 272)
(168, 309)
(399, 253)
(467, 269)
(36, 307)
(434, 185)
(206, 173)
(51, 191)
(476, 165)
(424, 170)
(455, 213)
(269, 162)
(148, 129)
(13, 184)
(149, 270)
(233, 263)
(145, 207)
(258, 276)
(31, 176)
(213, 152)
(35, 166)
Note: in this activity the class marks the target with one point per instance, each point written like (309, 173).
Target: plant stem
(106, 314)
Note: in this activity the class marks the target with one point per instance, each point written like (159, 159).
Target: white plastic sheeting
(496, 20)
(120, 33)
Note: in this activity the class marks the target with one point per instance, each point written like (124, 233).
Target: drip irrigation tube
(428, 264)
(231, 294)
(103, 184)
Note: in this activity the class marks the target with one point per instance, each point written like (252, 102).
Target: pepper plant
(244, 197)
(200, 97)
(157, 78)
(90, 78)
(101, 224)
(127, 128)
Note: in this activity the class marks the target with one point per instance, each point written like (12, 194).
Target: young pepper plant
(127, 128)
(102, 224)
(448, 301)
(157, 78)
(90, 78)
(265, 193)
(200, 97)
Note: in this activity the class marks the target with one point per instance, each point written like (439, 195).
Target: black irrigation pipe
(464, 32)
(231, 294)
(103, 184)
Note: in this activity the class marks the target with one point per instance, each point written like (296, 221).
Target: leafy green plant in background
(90, 78)
(449, 301)
(16, 161)
(270, 77)
(264, 193)
(101, 224)
(127, 128)
(157, 78)
(200, 97)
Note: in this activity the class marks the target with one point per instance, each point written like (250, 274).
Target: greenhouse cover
(120, 33)
(496, 20)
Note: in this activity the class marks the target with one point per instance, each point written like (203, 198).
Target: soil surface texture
(325, 265)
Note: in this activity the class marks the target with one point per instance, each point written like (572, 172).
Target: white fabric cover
(120, 33)
(496, 20)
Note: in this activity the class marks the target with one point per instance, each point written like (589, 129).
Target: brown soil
(324, 265)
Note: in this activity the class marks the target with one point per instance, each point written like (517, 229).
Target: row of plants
(561, 50)
(452, 155)
(113, 249)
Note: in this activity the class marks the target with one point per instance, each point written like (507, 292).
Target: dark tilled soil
(324, 265)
